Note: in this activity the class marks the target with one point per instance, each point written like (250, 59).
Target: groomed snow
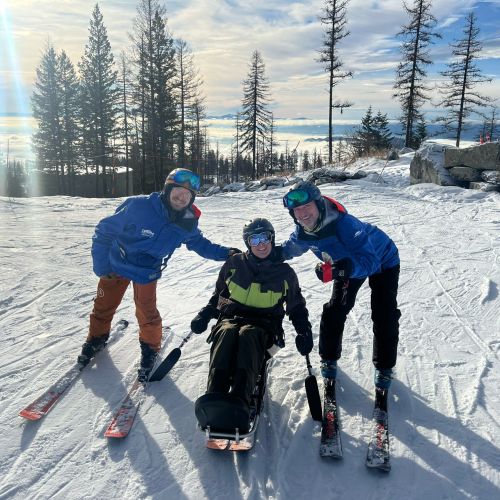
(444, 405)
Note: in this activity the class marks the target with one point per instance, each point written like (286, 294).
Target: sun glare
(11, 76)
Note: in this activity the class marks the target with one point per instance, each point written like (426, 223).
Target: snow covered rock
(482, 157)
(428, 166)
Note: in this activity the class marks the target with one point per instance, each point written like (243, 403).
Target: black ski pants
(385, 317)
(236, 356)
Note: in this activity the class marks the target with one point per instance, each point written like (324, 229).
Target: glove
(233, 251)
(304, 342)
(339, 270)
(200, 322)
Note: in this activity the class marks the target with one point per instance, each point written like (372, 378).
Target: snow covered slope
(444, 405)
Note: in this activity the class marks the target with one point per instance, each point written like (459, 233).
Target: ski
(378, 456)
(331, 444)
(46, 401)
(124, 416)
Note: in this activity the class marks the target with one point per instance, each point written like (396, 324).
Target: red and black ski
(46, 401)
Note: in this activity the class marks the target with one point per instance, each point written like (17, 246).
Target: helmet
(256, 226)
(183, 177)
(301, 193)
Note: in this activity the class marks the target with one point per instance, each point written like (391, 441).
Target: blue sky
(223, 34)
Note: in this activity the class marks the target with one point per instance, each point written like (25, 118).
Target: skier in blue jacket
(135, 244)
(351, 251)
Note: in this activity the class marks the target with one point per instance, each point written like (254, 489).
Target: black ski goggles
(296, 198)
(256, 239)
(187, 179)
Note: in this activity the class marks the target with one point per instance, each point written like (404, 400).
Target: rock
(465, 173)
(492, 176)
(484, 186)
(392, 155)
(405, 150)
(483, 157)
(273, 181)
(428, 166)
(234, 187)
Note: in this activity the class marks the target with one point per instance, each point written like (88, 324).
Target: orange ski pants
(109, 296)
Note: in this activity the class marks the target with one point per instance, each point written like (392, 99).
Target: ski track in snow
(443, 407)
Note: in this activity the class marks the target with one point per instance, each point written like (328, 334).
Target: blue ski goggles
(187, 179)
(256, 239)
(296, 198)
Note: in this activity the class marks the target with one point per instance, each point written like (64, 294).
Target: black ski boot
(148, 359)
(90, 348)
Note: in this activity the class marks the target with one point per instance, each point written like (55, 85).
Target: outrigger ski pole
(170, 360)
(312, 392)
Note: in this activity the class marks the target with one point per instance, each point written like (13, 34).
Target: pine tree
(373, 134)
(46, 102)
(197, 115)
(420, 133)
(70, 111)
(255, 114)
(492, 128)
(126, 114)
(306, 162)
(383, 136)
(237, 148)
(99, 98)
(271, 153)
(460, 98)
(154, 59)
(363, 137)
(335, 22)
(190, 95)
(411, 89)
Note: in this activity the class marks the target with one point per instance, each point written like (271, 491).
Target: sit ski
(227, 422)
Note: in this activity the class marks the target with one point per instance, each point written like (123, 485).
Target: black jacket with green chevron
(259, 292)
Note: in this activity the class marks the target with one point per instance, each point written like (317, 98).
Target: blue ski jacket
(368, 247)
(140, 236)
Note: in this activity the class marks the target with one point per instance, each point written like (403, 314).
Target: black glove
(232, 251)
(338, 270)
(304, 342)
(200, 322)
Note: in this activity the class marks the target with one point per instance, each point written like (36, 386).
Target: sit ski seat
(222, 412)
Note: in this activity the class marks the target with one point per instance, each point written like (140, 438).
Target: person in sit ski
(134, 244)
(248, 301)
(351, 251)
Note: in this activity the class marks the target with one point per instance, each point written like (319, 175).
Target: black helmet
(256, 226)
(301, 193)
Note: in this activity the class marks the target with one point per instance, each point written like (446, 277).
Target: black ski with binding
(331, 444)
(378, 456)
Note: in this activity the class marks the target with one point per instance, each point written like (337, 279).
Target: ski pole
(312, 392)
(170, 360)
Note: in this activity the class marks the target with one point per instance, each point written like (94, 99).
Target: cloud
(224, 33)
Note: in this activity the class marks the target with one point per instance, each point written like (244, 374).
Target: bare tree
(460, 98)
(334, 20)
(255, 114)
(411, 89)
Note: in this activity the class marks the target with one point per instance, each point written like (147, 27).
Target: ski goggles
(187, 179)
(256, 239)
(296, 198)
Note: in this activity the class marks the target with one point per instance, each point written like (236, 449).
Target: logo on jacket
(148, 233)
